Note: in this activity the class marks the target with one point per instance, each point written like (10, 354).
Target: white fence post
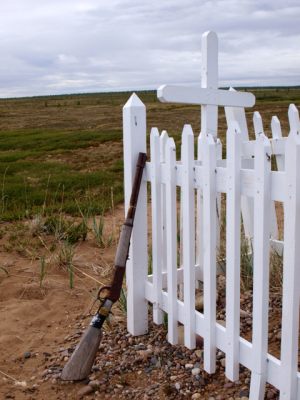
(261, 240)
(291, 257)
(134, 139)
(233, 242)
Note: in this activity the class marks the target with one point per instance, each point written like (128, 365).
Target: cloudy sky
(71, 46)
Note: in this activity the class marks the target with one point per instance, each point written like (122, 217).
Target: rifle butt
(80, 364)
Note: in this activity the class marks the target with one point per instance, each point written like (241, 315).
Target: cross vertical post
(209, 125)
(209, 80)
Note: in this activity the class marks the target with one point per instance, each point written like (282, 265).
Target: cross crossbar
(204, 96)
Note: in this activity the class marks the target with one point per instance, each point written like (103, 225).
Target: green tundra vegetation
(64, 153)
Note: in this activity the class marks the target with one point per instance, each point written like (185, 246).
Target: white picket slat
(238, 114)
(291, 257)
(188, 213)
(259, 130)
(180, 255)
(209, 250)
(262, 170)
(171, 236)
(258, 124)
(162, 154)
(293, 115)
(233, 240)
(199, 205)
(219, 198)
(157, 249)
(277, 135)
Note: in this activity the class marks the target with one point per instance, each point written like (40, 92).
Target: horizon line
(242, 87)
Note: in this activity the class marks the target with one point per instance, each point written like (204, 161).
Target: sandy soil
(36, 317)
(42, 322)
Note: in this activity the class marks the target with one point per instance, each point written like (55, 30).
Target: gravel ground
(148, 367)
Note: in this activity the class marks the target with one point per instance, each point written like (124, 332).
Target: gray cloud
(50, 47)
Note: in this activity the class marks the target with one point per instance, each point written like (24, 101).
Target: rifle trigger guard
(101, 290)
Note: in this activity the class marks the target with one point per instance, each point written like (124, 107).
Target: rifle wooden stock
(81, 361)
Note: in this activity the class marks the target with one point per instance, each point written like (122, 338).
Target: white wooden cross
(208, 95)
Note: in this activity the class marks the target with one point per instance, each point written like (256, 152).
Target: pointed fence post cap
(134, 101)
(210, 35)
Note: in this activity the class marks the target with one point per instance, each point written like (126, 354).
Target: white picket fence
(251, 188)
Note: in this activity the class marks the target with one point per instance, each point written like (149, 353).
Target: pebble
(84, 391)
(27, 354)
(201, 380)
(199, 353)
(199, 302)
(196, 371)
(176, 367)
(94, 384)
(244, 314)
(20, 383)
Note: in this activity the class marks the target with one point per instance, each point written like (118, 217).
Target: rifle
(80, 364)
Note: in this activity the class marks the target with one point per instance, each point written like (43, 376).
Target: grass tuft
(65, 257)
(43, 268)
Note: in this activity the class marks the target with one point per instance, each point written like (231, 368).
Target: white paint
(213, 97)
(238, 115)
(233, 243)
(209, 252)
(243, 184)
(259, 130)
(171, 236)
(277, 138)
(157, 249)
(188, 234)
(134, 139)
(262, 217)
(291, 257)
